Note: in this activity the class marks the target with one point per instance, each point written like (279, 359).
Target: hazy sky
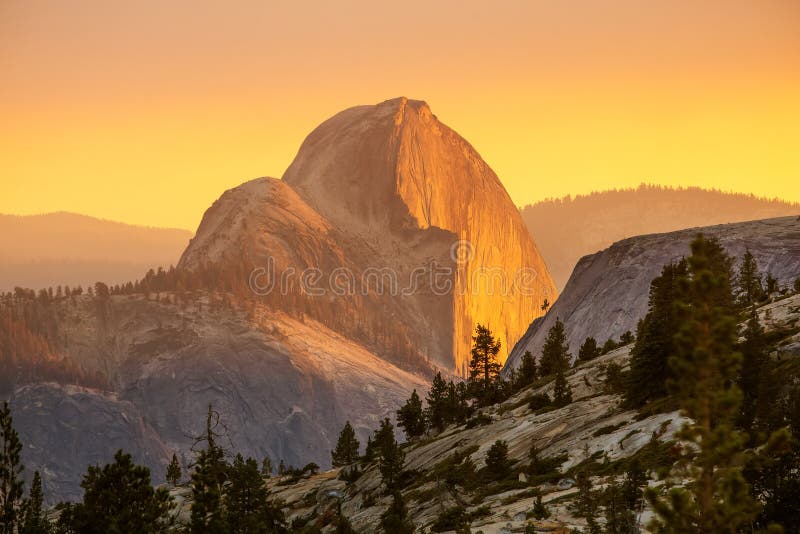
(146, 111)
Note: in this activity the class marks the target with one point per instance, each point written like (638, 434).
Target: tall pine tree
(436, 413)
(483, 366)
(346, 451)
(748, 281)
(246, 498)
(208, 478)
(34, 519)
(655, 335)
(11, 484)
(410, 417)
(718, 500)
(555, 352)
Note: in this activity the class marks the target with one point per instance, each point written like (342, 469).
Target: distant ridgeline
(569, 228)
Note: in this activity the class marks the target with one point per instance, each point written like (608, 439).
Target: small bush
(539, 401)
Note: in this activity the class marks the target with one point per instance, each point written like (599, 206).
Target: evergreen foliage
(483, 366)
(246, 500)
(346, 452)
(589, 350)
(437, 411)
(34, 520)
(395, 519)
(527, 372)
(174, 471)
(748, 281)
(119, 498)
(411, 418)
(11, 483)
(719, 499)
(555, 352)
(208, 478)
(562, 392)
(649, 368)
(497, 464)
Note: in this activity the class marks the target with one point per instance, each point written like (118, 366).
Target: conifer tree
(797, 285)
(392, 456)
(540, 510)
(585, 505)
(483, 366)
(436, 412)
(347, 445)
(555, 352)
(589, 350)
(497, 463)
(119, 497)
(11, 483)
(208, 478)
(748, 281)
(705, 360)
(266, 467)
(395, 519)
(34, 520)
(754, 358)
(649, 369)
(562, 392)
(410, 417)
(527, 372)
(457, 408)
(246, 500)
(174, 471)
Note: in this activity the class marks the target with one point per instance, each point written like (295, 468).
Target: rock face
(64, 429)
(284, 388)
(607, 292)
(398, 192)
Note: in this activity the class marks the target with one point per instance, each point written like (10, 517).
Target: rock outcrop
(389, 188)
(607, 292)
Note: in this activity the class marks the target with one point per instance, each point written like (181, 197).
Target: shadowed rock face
(391, 174)
(607, 292)
(283, 388)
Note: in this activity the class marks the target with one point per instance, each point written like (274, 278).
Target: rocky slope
(569, 228)
(607, 292)
(284, 387)
(594, 435)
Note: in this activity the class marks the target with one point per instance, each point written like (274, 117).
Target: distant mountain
(569, 228)
(69, 249)
(608, 291)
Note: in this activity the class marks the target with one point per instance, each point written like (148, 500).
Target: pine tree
(208, 478)
(527, 372)
(174, 471)
(754, 358)
(119, 497)
(483, 366)
(649, 369)
(562, 392)
(589, 350)
(497, 464)
(266, 467)
(395, 519)
(11, 484)
(34, 520)
(797, 285)
(540, 511)
(410, 417)
(748, 281)
(346, 452)
(585, 505)
(392, 456)
(246, 499)
(555, 352)
(456, 402)
(708, 366)
(436, 412)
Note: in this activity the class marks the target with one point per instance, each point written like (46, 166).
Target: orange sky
(145, 111)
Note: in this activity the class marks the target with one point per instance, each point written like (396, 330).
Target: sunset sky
(145, 111)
